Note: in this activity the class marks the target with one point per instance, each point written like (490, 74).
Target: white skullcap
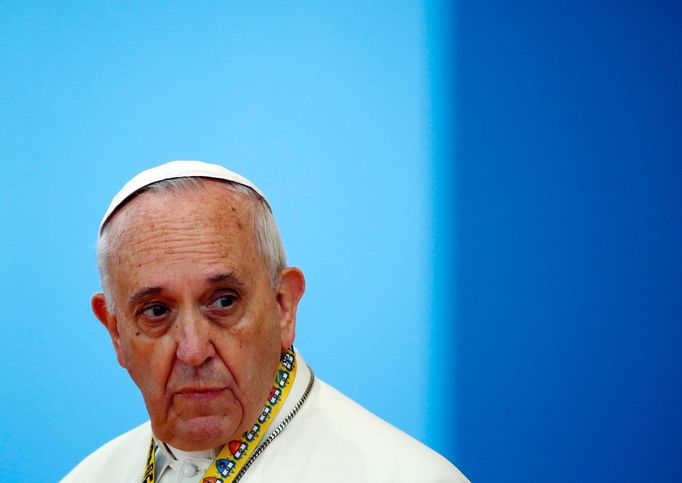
(174, 169)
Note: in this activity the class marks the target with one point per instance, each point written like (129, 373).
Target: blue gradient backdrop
(484, 196)
(568, 222)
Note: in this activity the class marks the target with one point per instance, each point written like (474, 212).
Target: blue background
(324, 105)
(484, 196)
(568, 195)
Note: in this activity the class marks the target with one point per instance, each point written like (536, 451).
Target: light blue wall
(323, 104)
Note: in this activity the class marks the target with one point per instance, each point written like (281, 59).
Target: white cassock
(330, 439)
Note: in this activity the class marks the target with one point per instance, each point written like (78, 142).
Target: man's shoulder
(353, 432)
(118, 460)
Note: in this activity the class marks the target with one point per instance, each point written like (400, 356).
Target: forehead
(209, 221)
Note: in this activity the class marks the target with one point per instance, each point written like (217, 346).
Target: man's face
(197, 323)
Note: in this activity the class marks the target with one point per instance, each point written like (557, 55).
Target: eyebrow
(226, 277)
(143, 294)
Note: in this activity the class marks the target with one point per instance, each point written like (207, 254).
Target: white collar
(167, 456)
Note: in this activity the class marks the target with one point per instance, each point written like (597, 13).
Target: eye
(155, 311)
(224, 301)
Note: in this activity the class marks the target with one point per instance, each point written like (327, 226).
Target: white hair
(265, 229)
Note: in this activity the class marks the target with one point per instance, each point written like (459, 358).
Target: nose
(194, 345)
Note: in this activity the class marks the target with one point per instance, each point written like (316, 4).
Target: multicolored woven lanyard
(234, 455)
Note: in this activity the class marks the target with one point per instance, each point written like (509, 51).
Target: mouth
(200, 394)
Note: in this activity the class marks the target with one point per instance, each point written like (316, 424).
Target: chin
(200, 433)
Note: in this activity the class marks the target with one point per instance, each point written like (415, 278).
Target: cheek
(148, 363)
(260, 319)
(252, 349)
(260, 334)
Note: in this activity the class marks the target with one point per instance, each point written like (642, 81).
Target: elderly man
(201, 310)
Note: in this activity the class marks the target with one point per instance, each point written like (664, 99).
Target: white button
(189, 469)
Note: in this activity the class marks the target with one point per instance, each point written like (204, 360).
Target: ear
(108, 320)
(291, 288)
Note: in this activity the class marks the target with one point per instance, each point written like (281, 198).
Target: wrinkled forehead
(172, 170)
(180, 240)
(184, 206)
(208, 222)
